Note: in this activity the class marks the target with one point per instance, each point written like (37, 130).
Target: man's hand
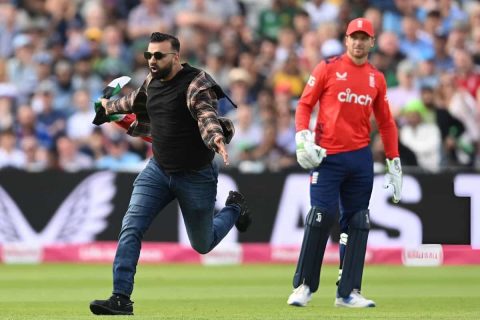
(221, 149)
(101, 116)
(309, 155)
(393, 178)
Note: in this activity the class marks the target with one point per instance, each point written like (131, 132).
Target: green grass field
(59, 291)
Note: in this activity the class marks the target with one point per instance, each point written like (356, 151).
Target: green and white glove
(393, 178)
(309, 155)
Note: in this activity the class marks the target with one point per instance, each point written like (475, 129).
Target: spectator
(283, 155)
(326, 31)
(248, 134)
(467, 74)
(6, 113)
(60, 13)
(63, 92)
(451, 14)
(457, 37)
(69, 158)
(273, 19)
(266, 58)
(79, 126)
(309, 52)
(392, 17)
(199, 13)
(20, 68)
(432, 24)
(321, 11)
(36, 157)
(7, 88)
(77, 44)
(405, 91)
(462, 106)
(289, 77)
(214, 64)
(474, 15)
(442, 59)
(84, 77)
(331, 48)
(43, 65)
(149, 16)
(246, 61)
(475, 45)
(10, 155)
(388, 56)
(118, 158)
(27, 126)
(374, 15)
(239, 90)
(9, 26)
(93, 13)
(451, 128)
(96, 144)
(414, 44)
(287, 43)
(47, 117)
(423, 138)
(302, 24)
(427, 75)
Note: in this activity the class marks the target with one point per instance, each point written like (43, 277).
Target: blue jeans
(154, 189)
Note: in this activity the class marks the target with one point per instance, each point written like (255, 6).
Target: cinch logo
(349, 96)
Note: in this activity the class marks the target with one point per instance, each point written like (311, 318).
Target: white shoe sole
(297, 304)
(340, 304)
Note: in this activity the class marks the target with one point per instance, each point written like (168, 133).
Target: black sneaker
(115, 305)
(245, 218)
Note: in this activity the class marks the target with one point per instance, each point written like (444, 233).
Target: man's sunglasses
(157, 54)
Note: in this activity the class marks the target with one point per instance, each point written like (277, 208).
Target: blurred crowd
(57, 55)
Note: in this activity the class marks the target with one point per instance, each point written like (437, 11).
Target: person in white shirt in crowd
(79, 125)
(422, 137)
(321, 11)
(10, 155)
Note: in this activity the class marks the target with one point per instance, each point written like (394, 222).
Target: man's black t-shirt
(177, 143)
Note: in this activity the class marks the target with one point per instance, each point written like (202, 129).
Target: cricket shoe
(300, 296)
(245, 218)
(354, 300)
(115, 305)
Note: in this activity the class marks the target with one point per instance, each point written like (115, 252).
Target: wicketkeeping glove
(309, 155)
(393, 178)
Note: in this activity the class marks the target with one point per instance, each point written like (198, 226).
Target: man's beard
(362, 55)
(162, 73)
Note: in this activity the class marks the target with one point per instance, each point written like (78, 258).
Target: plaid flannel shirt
(201, 101)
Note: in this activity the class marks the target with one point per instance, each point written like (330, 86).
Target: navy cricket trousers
(344, 179)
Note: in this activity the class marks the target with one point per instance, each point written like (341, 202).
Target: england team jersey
(347, 94)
